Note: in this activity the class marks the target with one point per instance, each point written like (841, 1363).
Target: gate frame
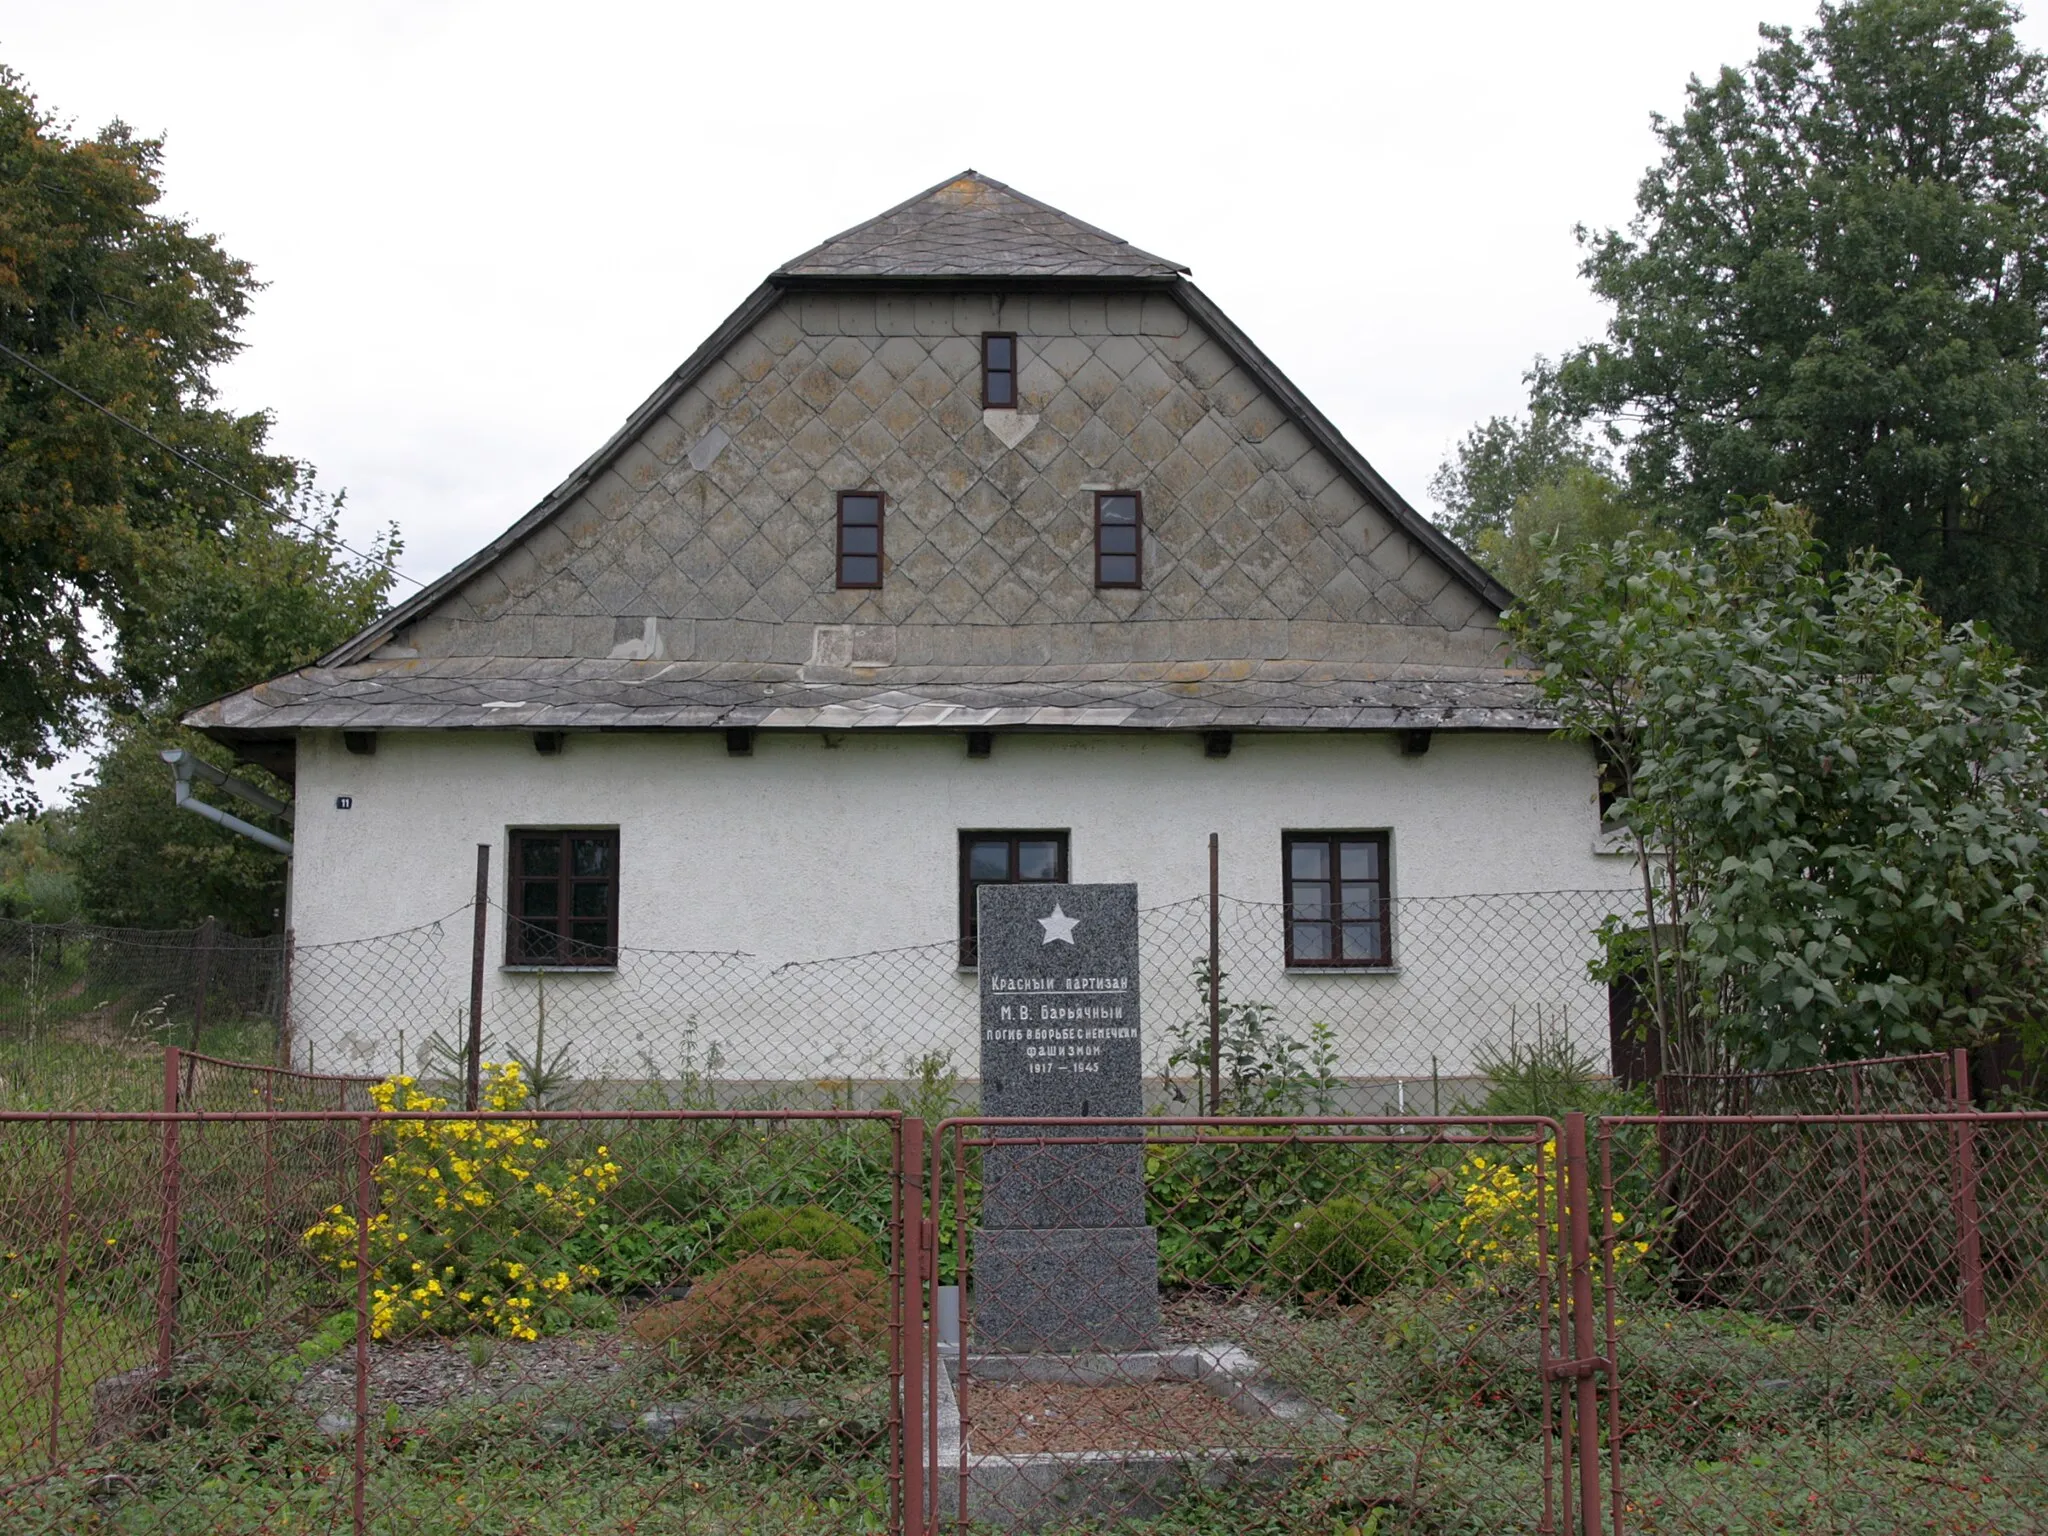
(1552, 1312)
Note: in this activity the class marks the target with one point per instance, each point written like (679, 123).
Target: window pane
(860, 509)
(999, 353)
(1119, 570)
(540, 855)
(589, 939)
(590, 856)
(1361, 861)
(540, 900)
(860, 570)
(1362, 941)
(1002, 389)
(536, 945)
(857, 540)
(988, 861)
(1119, 539)
(1311, 899)
(1038, 861)
(589, 899)
(1311, 941)
(1119, 509)
(1309, 861)
(1362, 900)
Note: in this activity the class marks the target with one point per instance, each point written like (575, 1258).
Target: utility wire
(205, 469)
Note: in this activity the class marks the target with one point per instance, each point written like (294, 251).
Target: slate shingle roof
(972, 226)
(566, 694)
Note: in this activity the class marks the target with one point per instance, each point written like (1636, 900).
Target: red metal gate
(1337, 1305)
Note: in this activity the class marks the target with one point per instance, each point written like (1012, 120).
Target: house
(976, 544)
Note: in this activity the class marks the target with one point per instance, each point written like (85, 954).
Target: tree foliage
(109, 543)
(1838, 804)
(135, 581)
(1834, 292)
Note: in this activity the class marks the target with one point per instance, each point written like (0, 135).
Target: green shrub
(1343, 1248)
(807, 1229)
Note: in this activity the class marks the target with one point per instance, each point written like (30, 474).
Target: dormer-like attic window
(999, 371)
(1119, 538)
(860, 539)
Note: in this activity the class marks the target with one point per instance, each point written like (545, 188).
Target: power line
(205, 469)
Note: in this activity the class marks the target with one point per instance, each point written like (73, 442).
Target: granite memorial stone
(1063, 1259)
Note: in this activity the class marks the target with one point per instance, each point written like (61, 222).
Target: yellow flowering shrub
(1501, 1210)
(471, 1217)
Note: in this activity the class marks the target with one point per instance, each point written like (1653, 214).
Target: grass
(95, 1059)
(1876, 1424)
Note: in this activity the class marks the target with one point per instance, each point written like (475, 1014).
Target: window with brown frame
(860, 538)
(1004, 858)
(564, 907)
(1338, 908)
(1119, 539)
(998, 371)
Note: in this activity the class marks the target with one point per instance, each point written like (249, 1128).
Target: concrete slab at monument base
(1065, 1289)
(1032, 1489)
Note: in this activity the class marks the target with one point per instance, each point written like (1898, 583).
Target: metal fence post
(910, 1240)
(1578, 1198)
(363, 1205)
(284, 999)
(1969, 1241)
(63, 1294)
(199, 990)
(167, 1231)
(472, 1092)
(1215, 1106)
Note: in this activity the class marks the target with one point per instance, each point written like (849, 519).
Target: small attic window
(860, 538)
(1119, 538)
(999, 371)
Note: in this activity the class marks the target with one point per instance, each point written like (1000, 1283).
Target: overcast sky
(489, 230)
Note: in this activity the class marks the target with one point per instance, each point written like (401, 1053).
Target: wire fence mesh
(1827, 1323)
(728, 1321)
(1472, 976)
(85, 1011)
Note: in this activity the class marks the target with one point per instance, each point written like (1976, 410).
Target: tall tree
(1835, 291)
(103, 299)
(1506, 459)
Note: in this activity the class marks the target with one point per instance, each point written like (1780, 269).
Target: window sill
(558, 970)
(1341, 970)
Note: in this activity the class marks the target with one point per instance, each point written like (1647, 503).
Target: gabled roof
(933, 237)
(972, 226)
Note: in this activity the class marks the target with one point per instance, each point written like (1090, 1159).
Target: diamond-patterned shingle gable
(972, 226)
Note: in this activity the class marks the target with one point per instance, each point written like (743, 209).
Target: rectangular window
(1338, 912)
(564, 898)
(860, 538)
(1119, 539)
(998, 371)
(1004, 858)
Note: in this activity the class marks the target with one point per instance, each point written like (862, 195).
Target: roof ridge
(1008, 234)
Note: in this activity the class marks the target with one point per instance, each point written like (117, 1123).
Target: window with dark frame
(564, 898)
(998, 371)
(1119, 539)
(996, 857)
(860, 538)
(1338, 910)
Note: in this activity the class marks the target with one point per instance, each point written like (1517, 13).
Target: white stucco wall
(839, 845)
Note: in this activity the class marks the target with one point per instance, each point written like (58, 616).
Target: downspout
(185, 766)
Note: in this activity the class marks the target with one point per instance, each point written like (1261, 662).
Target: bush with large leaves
(1837, 803)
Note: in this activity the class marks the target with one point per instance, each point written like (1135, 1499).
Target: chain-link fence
(85, 1011)
(1472, 979)
(807, 1321)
